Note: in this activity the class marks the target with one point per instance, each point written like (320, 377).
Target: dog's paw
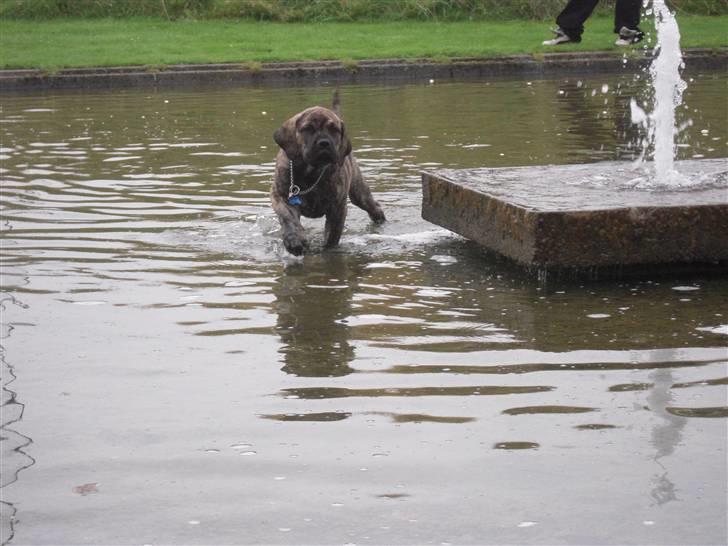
(377, 216)
(295, 244)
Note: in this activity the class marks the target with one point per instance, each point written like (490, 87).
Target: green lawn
(58, 43)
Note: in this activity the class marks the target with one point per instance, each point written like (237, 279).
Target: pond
(172, 376)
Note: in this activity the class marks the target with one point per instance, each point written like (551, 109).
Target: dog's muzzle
(324, 149)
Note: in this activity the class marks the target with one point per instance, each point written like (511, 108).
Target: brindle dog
(315, 171)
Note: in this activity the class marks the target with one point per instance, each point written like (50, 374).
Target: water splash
(668, 87)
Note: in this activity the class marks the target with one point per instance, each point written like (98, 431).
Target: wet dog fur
(316, 144)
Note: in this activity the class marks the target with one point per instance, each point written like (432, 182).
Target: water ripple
(166, 330)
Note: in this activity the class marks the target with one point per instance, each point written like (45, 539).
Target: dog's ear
(285, 137)
(345, 146)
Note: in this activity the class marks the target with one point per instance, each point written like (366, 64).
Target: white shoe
(560, 38)
(629, 36)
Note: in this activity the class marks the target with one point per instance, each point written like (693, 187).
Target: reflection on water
(312, 304)
(547, 409)
(14, 446)
(699, 412)
(323, 416)
(333, 392)
(516, 445)
(171, 357)
(665, 436)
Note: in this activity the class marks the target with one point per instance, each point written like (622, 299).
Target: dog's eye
(306, 129)
(333, 127)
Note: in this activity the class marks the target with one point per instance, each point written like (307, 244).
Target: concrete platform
(583, 216)
(363, 71)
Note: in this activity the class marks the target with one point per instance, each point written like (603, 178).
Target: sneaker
(629, 36)
(560, 38)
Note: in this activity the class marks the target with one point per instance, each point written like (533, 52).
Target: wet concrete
(584, 216)
(363, 71)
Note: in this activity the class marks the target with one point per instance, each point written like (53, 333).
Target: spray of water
(668, 87)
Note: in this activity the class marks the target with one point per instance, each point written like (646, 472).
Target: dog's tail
(336, 103)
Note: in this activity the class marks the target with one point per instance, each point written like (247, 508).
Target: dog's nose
(324, 143)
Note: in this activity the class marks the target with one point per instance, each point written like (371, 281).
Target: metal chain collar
(294, 190)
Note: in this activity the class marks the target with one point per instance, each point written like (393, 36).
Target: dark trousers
(571, 19)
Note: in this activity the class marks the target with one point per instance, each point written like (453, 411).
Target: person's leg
(572, 17)
(627, 14)
(626, 22)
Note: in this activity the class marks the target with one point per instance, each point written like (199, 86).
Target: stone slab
(584, 216)
(361, 71)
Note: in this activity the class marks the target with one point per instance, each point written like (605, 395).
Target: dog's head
(317, 135)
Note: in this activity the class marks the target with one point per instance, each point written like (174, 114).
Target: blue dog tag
(294, 200)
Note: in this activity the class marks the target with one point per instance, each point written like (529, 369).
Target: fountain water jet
(668, 87)
(556, 217)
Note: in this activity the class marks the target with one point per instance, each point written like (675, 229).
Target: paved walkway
(550, 64)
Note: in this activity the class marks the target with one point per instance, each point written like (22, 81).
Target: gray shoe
(560, 38)
(629, 36)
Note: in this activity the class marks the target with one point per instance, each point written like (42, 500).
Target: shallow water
(171, 376)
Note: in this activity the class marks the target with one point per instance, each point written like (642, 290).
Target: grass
(321, 10)
(59, 43)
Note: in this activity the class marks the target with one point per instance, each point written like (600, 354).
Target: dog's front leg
(294, 238)
(335, 220)
(362, 197)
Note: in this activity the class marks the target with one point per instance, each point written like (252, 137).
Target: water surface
(172, 376)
